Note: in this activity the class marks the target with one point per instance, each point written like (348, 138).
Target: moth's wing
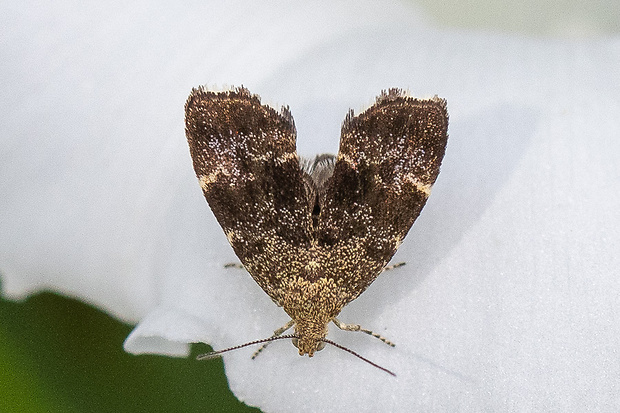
(245, 158)
(388, 160)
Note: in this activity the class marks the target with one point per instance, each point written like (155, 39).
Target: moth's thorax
(311, 305)
(311, 302)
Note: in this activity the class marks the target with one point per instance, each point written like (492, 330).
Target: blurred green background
(61, 355)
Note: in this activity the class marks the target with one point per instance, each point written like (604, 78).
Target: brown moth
(315, 234)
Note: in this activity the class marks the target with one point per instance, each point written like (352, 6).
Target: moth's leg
(391, 267)
(357, 327)
(276, 333)
(234, 265)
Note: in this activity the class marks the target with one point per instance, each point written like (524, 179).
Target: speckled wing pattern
(314, 235)
(388, 160)
(245, 157)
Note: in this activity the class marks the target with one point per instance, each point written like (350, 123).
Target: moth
(314, 234)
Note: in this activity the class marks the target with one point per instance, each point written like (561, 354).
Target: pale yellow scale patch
(230, 234)
(397, 242)
(279, 159)
(347, 159)
(206, 180)
(420, 186)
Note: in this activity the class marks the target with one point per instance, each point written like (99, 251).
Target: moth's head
(314, 345)
(307, 345)
(310, 336)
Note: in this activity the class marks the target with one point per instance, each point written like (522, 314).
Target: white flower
(510, 295)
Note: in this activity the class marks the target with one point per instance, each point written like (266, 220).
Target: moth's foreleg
(391, 267)
(357, 327)
(276, 333)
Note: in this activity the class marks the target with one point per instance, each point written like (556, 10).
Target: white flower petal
(509, 297)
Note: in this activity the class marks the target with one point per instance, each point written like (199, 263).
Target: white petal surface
(509, 300)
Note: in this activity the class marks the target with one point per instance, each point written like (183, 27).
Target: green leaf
(60, 355)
